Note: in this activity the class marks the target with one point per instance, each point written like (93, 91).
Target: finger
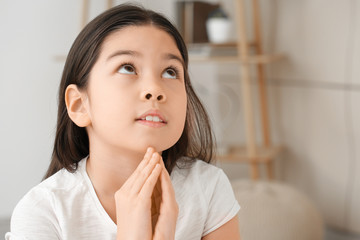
(156, 196)
(145, 173)
(155, 204)
(167, 188)
(162, 162)
(157, 193)
(157, 189)
(169, 208)
(147, 157)
(165, 180)
(148, 187)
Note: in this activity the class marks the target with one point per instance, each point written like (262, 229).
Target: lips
(152, 116)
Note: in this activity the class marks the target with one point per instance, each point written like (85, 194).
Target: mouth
(152, 118)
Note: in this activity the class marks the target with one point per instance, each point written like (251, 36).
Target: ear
(76, 104)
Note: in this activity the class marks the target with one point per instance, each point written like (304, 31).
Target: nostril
(160, 97)
(148, 96)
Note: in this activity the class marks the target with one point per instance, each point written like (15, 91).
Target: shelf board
(60, 58)
(218, 45)
(254, 59)
(239, 154)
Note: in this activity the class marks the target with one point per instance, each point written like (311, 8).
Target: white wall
(32, 33)
(314, 96)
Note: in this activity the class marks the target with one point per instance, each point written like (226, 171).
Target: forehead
(147, 38)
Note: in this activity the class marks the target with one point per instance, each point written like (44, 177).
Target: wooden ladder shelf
(252, 153)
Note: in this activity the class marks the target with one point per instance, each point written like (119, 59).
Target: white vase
(218, 30)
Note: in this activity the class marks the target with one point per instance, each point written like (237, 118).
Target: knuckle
(149, 182)
(144, 174)
(136, 172)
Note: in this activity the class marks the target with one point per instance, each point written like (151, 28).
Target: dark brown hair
(72, 143)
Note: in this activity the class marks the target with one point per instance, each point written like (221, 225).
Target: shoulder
(199, 173)
(57, 186)
(62, 181)
(37, 212)
(205, 196)
(45, 194)
(195, 168)
(209, 183)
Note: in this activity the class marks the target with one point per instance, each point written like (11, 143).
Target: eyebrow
(170, 56)
(167, 56)
(123, 52)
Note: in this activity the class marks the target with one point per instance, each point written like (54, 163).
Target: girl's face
(136, 91)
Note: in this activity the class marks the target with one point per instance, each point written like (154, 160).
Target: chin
(159, 146)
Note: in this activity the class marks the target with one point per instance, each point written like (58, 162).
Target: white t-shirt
(65, 206)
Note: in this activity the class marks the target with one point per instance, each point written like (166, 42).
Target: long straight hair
(72, 142)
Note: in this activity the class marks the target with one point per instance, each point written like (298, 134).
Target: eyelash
(175, 69)
(127, 64)
(171, 67)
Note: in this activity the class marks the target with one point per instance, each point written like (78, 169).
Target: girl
(128, 117)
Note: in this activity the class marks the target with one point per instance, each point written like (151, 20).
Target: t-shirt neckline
(99, 206)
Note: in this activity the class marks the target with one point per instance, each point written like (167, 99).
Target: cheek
(181, 111)
(111, 105)
(183, 107)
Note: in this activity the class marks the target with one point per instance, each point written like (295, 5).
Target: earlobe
(76, 106)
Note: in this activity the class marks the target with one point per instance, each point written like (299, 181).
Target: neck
(108, 171)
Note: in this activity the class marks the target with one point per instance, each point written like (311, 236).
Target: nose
(155, 93)
(159, 97)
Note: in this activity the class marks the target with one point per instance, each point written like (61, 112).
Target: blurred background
(311, 93)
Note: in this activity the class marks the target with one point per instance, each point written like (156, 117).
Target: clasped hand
(145, 205)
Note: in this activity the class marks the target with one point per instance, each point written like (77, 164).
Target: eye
(171, 73)
(127, 69)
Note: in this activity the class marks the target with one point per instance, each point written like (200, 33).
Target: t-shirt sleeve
(34, 218)
(223, 205)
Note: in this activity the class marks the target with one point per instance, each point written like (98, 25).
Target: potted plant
(218, 26)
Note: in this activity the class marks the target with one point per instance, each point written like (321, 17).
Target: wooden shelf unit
(219, 45)
(254, 59)
(249, 55)
(239, 154)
